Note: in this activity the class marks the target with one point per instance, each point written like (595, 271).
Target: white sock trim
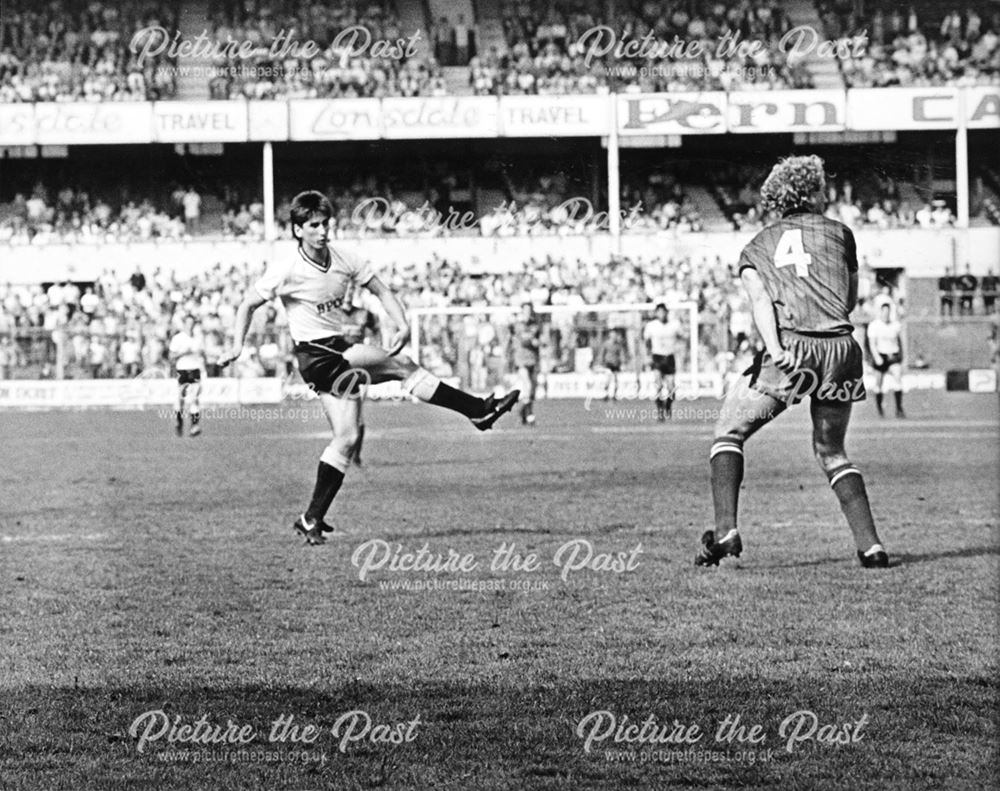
(717, 449)
(335, 459)
(421, 384)
(842, 473)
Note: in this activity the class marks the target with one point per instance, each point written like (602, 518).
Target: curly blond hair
(794, 183)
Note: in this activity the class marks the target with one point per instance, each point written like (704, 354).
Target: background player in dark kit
(801, 275)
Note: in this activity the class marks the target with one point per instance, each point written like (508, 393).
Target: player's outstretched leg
(829, 430)
(343, 415)
(421, 383)
(743, 413)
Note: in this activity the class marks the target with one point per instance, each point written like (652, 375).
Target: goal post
(469, 339)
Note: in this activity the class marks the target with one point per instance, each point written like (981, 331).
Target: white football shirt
(187, 350)
(315, 298)
(883, 336)
(662, 336)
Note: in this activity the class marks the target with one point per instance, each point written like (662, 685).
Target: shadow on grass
(927, 557)
(895, 559)
(912, 730)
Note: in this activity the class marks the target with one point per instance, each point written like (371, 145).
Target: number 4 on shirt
(790, 252)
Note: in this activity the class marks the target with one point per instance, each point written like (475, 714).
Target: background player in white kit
(186, 352)
(885, 344)
(315, 286)
(660, 336)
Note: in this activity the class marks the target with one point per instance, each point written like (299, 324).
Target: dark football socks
(179, 420)
(356, 454)
(458, 401)
(726, 462)
(849, 486)
(328, 480)
(898, 395)
(878, 403)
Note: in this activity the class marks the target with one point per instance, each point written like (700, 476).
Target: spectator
(989, 285)
(967, 287)
(946, 285)
(462, 34)
(192, 210)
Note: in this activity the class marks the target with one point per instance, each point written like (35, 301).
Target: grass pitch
(142, 573)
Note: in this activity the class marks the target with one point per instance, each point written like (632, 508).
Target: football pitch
(515, 609)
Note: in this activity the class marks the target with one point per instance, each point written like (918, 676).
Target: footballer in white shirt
(316, 287)
(186, 351)
(660, 336)
(886, 347)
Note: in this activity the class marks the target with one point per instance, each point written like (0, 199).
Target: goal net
(580, 346)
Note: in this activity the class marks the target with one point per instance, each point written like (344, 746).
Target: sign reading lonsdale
(745, 112)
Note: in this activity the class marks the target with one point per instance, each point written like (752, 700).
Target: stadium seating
(122, 327)
(545, 54)
(341, 70)
(68, 215)
(925, 44)
(78, 50)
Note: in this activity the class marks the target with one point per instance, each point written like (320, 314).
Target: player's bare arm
(241, 325)
(763, 317)
(396, 313)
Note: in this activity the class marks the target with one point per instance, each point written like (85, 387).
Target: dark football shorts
(830, 370)
(666, 364)
(888, 360)
(192, 377)
(324, 368)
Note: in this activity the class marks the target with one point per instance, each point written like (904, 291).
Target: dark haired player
(186, 351)
(801, 275)
(315, 286)
(886, 347)
(661, 335)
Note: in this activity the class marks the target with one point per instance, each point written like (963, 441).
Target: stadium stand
(78, 50)
(120, 327)
(555, 48)
(927, 43)
(340, 70)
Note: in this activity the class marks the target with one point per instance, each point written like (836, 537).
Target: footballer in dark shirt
(801, 276)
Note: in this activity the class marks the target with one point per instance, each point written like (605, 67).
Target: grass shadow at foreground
(918, 733)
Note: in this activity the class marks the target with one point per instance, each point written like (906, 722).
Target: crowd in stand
(122, 326)
(870, 200)
(91, 50)
(370, 207)
(84, 50)
(943, 46)
(74, 215)
(350, 63)
(561, 48)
